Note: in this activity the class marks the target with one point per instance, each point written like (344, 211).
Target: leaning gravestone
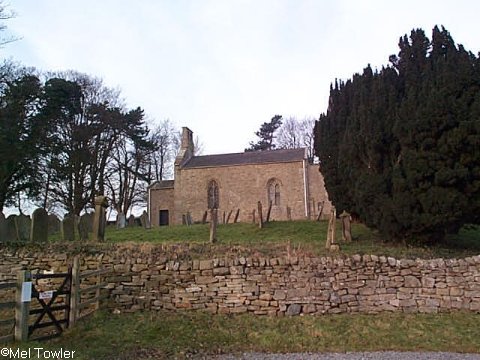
(39, 230)
(84, 226)
(23, 226)
(131, 221)
(11, 229)
(54, 224)
(68, 227)
(121, 221)
(3, 228)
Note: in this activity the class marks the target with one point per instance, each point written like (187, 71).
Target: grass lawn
(297, 237)
(168, 335)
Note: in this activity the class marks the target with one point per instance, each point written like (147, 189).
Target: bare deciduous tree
(125, 178)
(5, 14)
(296, 134)
(161, 159)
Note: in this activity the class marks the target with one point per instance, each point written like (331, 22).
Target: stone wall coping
(161, 254)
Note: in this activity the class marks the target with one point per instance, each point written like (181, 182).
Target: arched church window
(273, 189)
(213, 199)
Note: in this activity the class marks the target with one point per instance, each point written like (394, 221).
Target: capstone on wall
(151, 278)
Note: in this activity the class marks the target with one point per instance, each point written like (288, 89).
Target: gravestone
(331, 243)
(260, 215)
(68, 227)
(89, 217)
(213, 225)
(189, 219)
(269, 211)
(3, 228)
(23, 226)
(39, 230)
(121, 221)
(320, 206)
(84, 226)
(228, 216)
(54, 224)
(11, 229)
(131, 220)
(346, 226)
(289, 213)
(145, 220)
(100, 221)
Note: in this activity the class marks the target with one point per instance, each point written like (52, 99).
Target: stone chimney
(186, 147)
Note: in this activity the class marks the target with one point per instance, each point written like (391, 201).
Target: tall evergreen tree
(22, 134)
(397, 146)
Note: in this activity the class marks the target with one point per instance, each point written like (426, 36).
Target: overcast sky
(223, 67)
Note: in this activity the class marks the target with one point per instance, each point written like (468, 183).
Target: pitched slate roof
(250, 157)
(164, 184)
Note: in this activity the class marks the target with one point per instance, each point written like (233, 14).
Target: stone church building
(235, 181)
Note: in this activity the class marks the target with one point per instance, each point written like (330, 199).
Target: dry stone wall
(154, 279)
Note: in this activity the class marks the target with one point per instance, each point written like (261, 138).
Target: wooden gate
(50, 304)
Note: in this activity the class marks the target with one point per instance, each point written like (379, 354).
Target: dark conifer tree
(266, 135)
(398, 146)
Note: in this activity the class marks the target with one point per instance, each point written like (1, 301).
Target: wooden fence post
(75, 291)
(22, 308)
(97, 291)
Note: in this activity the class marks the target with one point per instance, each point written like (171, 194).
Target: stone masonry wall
(242, 186)
(152, 279)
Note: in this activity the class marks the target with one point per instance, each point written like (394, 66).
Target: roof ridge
(247, 157)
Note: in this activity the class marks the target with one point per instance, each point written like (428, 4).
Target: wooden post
(75, 291)
(97, 291)
(22, 307)
(236, 216)
(260, 215)
(223, 218)
(269, 211)
(204, 218)
(253, 216)
(213, 225)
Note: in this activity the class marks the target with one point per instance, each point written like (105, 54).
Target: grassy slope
(106, 336)
(299, 236)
